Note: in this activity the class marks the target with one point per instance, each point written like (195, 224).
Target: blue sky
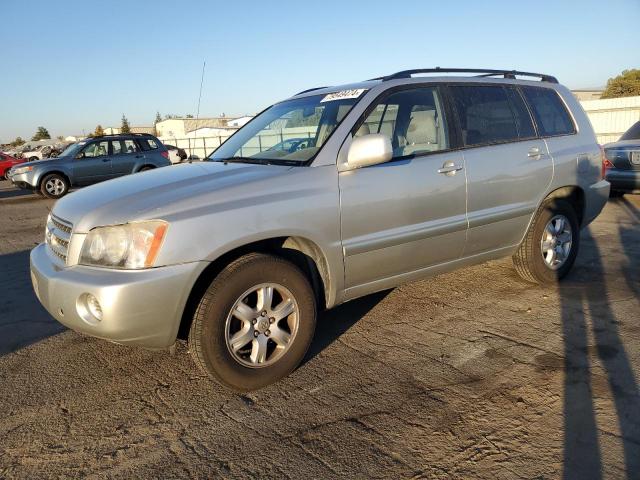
(69, 65)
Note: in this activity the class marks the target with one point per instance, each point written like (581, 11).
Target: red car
(6, 162)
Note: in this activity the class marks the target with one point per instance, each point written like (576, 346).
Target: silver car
(405, 177)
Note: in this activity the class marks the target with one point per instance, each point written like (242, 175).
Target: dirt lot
(473, 374)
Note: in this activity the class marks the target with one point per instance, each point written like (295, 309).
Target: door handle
(534, 153)
(449, 168)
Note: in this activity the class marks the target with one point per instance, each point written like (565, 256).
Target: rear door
(93, 164)
(126, 155)
(508, 167)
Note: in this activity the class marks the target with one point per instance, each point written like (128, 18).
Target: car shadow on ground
(332, 324)
(591, 333)
(7, 191)
(23, 320)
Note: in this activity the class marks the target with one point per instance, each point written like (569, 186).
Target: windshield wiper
(260, 161)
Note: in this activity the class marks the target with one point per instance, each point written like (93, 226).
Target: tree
(627, 84)
(17, 142)
(158, 118)
(189, 115)
(99, 131)
(41, 134)
(124, 128)
(60, 138)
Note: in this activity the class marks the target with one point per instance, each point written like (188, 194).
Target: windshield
(288, 133)
(72, 149)
(633, 133)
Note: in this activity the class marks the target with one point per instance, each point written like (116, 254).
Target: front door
(401, 217)
(93, 164)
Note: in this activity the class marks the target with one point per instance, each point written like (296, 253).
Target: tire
(212, 329)
(529, 260)
(54, 186)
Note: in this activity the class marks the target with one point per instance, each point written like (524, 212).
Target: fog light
(94, 306)
(89, 308)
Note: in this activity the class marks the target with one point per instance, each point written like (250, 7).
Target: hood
(35, 163)
(161, 193)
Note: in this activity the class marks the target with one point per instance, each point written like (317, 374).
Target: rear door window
(549, 111)
(490, 114)
(130, 146)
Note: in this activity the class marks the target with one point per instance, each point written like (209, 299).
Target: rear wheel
(254, 323)
(144, 169)
(551, 244)
(54, 186)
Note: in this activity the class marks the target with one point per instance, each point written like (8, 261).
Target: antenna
(204, 63)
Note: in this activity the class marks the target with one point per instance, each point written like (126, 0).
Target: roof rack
(482, 71)
(121, 134)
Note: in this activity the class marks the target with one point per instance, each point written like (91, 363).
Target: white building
(612, 117)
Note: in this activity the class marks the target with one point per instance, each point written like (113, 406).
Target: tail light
(165, 154)
(606, 163)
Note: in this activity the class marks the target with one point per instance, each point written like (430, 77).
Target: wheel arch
(301, 251)
(572, 194)
(50, 172)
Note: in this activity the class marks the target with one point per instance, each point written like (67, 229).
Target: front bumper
(142, 307)
(24, 180)
(623, 180)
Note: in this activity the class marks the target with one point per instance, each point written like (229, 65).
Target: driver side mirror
(370, 149)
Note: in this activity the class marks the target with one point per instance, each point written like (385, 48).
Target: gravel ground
(472, 374)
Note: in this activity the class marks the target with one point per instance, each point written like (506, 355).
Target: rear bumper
(623, 180)
(139, 307)
(596, 197)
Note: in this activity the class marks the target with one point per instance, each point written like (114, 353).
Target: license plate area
(635, 158)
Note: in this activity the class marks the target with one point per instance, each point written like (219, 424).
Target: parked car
(6, 162)
(176, 154)
(91, 161)
(622, 162)
(408, 177)
(293, 144)
(39, 153)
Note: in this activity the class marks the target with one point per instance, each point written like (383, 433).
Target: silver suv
(401, 178)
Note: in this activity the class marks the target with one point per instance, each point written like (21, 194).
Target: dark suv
(91, 161)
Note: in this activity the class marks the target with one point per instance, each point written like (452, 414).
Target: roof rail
(308, 90)
(484, 72)
(121, 134)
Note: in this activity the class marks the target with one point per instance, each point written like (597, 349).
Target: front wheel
(551, 244)
(255, 322)
(54, 186)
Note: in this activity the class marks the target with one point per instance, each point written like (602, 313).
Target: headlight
(129, 246)
(19, 170)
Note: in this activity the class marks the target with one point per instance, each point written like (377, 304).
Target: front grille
(57, 236)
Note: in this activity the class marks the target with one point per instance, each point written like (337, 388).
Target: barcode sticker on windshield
(353, 93)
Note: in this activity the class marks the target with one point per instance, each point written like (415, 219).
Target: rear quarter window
(148, 144)
(549, 111)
